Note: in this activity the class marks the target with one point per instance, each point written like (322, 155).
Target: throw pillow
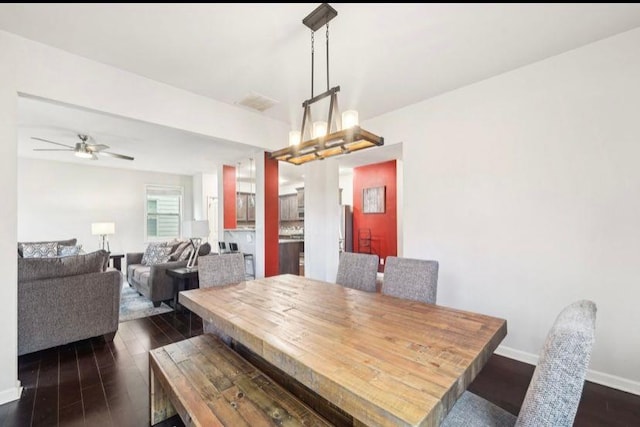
(40, 250)
(70, 242)
(160, 256)
(156, 253)
(150, 250)
(69, 250)
(185, 254)
(175, 255)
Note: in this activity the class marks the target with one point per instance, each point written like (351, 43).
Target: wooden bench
(209, 384)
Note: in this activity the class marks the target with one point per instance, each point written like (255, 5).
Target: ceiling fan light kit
(82, 149)
(339, 134)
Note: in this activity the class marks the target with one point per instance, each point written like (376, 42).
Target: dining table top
(385, 361)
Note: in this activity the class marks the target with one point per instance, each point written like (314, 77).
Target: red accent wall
(229, 186)
(271, 217)
(384, 226)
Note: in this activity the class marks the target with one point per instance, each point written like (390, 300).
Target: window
(163, 212)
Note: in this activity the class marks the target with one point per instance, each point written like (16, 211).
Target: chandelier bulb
(349, 119)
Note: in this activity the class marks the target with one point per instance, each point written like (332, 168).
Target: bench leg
(160, 406)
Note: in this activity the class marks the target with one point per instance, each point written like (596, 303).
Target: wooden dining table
(383, 360)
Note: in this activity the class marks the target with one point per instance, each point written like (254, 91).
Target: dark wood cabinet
(289, 208)
(289, 256)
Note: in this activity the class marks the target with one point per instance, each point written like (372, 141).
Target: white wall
(9, 385)
(321, 220)
(345, 181)
(205, 185)
(71, 197)
(288, 189)
(525, 188)
(35, 69)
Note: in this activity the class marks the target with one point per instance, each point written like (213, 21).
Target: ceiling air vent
(258, 102)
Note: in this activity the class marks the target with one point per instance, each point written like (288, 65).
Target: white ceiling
(154, 148)
(384, 56)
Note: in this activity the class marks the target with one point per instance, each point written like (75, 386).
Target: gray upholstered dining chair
(220, 270)
(358, 271)
(408, 278)
(556, 386)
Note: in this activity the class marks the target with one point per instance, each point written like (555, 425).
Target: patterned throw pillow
(175, 255)
(186, 253)
(69, 250)
(156, 253)
(40, 250)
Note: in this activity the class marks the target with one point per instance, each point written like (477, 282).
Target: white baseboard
(11, 394)
(597, 377)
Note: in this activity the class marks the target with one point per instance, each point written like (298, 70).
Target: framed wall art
(373, 200)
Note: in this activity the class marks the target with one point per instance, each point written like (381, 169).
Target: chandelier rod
(327, 35)
(312, 56)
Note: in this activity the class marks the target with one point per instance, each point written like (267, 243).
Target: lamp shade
(319, 129)
(350, 119)
(103, 228)
(294, 137)
(196, 228)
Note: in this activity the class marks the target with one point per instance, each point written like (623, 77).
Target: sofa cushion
(30, 269)
(69, 250)
(40, 250)
(69, 242)
(144, 279)
(131, 268)
(139, 270)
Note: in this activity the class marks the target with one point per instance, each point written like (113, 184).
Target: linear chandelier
(340, 134)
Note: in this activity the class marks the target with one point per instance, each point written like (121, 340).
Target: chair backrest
(556, 386)
(220, 270)
(414, 279)
(222, 247)
(358, 271)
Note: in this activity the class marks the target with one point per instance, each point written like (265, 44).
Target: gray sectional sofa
(152, 281)
(66, 299)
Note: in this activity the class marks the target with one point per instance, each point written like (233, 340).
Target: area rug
(135, 306)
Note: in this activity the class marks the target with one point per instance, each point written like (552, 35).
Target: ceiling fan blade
(117, 156)
(51, 142)
(52, 149)
(96, 147)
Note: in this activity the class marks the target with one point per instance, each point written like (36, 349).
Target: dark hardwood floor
(93, 383)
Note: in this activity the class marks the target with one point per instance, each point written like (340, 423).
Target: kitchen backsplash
(292, 228)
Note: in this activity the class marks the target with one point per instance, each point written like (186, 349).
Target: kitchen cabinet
(289, 208)
(251, 207)
(289, 256)
(241, 207)
(300, 197)
(245, 207)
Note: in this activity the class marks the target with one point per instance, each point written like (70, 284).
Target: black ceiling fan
(83, 149)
